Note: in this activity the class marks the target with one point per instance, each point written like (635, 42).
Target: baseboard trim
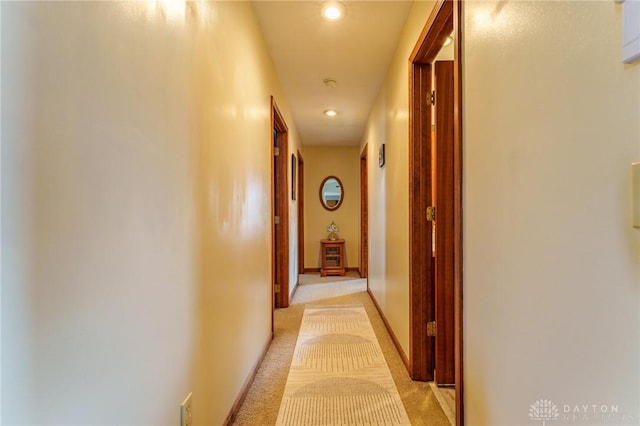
(311, 270)
(246, 386)
(353, 269)
(403, 356)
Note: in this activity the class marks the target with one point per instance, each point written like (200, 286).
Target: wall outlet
(186, 414)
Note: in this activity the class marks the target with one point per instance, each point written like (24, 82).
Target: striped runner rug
(338, 374)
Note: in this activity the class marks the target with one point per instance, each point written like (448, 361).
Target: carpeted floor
(262, 403)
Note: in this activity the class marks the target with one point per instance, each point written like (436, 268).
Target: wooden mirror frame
(341, 193)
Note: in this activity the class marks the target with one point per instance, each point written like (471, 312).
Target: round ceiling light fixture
(330, 112)
(330, 82)
(333, 11)
(448, 41)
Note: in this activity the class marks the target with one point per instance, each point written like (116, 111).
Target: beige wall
(389, 186)
(552, 271)
(320, 162)
(551, 262)
(136, 236)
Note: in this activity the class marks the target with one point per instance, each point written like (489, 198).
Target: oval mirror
(331, 193)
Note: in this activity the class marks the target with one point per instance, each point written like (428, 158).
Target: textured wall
(551, 262)
(320, 162)
(389, 187)
(136, 170)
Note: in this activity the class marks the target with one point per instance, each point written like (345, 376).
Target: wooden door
(280, 218)
(421, 302)
(364, 216)
(444, 224)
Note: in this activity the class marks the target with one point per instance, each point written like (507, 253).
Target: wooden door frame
(445, 19)
(300, 191)
(364, 215)
(280, 233)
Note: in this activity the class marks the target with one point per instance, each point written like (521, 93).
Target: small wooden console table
(332, 257)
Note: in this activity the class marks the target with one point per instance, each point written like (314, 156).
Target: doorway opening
(435, 206)
(280, 206)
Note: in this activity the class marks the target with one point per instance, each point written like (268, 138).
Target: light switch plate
(635, 170)
(186, 413)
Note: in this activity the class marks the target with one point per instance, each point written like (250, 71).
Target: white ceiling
(355, 51)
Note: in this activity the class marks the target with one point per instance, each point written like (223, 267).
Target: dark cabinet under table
(332, 257)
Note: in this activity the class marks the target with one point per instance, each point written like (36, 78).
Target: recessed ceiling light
(448, 41)
(330, 113)
(333, 11)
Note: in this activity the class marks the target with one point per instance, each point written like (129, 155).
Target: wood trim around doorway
(364, 215)
(444, 20)
(458, 210)
(300, 190)
(280, 240)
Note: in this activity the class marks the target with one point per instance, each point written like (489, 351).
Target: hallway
(137, 204)
(263, 399)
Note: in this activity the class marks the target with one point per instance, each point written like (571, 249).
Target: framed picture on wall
(293, 177)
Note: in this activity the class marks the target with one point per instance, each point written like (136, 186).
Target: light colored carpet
(262, 403)
(338, 375)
